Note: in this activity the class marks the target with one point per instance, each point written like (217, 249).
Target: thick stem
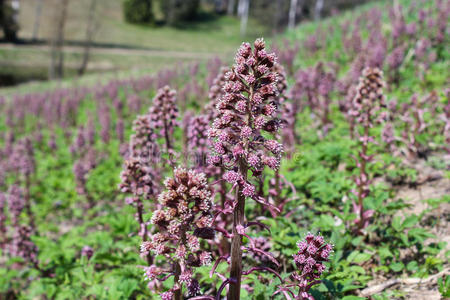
(224, 242)
(239, 219)
(177, 295)
(236, 242)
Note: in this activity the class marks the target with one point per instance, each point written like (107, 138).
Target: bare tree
(240, 8)
(57, 43)
(37, 19)
(244, 15)
(90, 32)
(318, 9)
(292, 13)
(230, 8)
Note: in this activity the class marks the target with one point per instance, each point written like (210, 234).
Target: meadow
(315, 165)
(119, 47)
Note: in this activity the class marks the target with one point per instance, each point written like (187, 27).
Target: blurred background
(54, 39)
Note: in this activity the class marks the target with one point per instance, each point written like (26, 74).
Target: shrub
(138, 11)
(179, 10)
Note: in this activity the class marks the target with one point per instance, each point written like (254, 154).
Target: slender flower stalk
(140, 176)
(20, 244)
(163, 115)
(238, 144)
(368, 101)
(81, 169)
(22, 161)
(197, 143)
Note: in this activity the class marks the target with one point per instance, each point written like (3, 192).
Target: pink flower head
(185, 217)
(312, 254)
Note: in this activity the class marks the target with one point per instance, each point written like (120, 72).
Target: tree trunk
(292, 13)
(57, 54)
(90, 30)
(171, 19)
(230, 8)
(318, 9)
(244, 16)
(37, 20)
(240, 8)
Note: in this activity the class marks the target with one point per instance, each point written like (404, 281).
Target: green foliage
(138, 11)
(444, 286)
(176, 11)
(8, 21)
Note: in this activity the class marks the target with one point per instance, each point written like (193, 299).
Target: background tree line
(275, 14)
(9, 10)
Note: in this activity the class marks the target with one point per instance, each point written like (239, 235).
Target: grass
(119, 45)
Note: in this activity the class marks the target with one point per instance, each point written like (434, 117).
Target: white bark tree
(230, 8)
(244, 15)
(37, 19)
(318, 9)
(292, 13)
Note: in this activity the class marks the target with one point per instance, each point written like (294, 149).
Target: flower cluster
(310, 258)
(143, 144)
(216, 92)
(214, 66)
(20, 244)
(163, 114)
(197, 139)
(79, 143)
(316, 85)
(104, 117)
(81, 169)
(369, 96)
(140, 176)
(287, 54)
(22, 157)
(184, 218)
(245, 112)
(138, 179)
(312, 253)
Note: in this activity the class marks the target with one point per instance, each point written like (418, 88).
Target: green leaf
(397, 267)
(397, 223)
(412, 266)
(384, 252)
(357, 257)
(410, 221)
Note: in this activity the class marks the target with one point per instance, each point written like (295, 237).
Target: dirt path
(118, 51)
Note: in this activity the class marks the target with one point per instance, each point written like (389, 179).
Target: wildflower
(312, 253)
(163, 114)
(186, 211)
(366, 104)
